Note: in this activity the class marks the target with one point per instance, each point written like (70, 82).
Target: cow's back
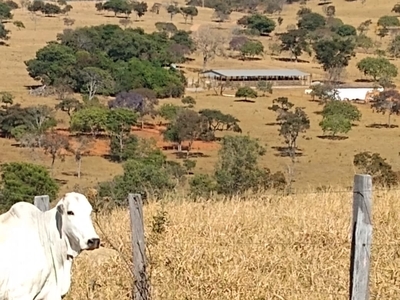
(23, 264)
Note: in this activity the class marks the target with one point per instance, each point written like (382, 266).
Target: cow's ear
(60, 209)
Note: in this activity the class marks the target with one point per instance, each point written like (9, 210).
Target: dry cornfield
(267, 247)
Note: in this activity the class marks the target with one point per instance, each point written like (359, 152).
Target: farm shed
(250, 77)
(354, 93)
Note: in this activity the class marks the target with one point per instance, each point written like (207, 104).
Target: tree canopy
(110, 61)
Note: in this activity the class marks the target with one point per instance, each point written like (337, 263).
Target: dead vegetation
(269, 247)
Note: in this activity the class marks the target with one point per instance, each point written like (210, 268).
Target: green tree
(364, 42)
(50, 9)
(222, 11)
(346, 30)
(292, 123)
(188, 126)
(118, 7)
(147, 175)
(172, 10)
(335, 124)
(388, 21)
(23, 181)
(334, 54)
(3, 34)
(189, 101)
(201, 185)
(338, 117)
(377, 166)
(69, 105)
(169, 111)
(90, 119)
(5, 12)
(246, 92)
(377, 68)
(7, 99)
(311, 21)
(295, 42)
(251, 49)
(189, 11)
(262, 24)
(118, 123)
(218, 121)
(52, 62)
(237, 169)
(140, 8)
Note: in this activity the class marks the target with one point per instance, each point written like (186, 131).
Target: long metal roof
(256, 72)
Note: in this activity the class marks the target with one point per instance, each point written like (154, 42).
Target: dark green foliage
(5, 12)
(380, 170)
(113, 60)
(295, 42)
(338, 117)
(3, 34)
(23, 181)
(311, 21)
(246, 92)
(346, 30)
(387, 21)
(237, 170)
(202, 185)
(147, 174)
(259, 23)
(334, 53)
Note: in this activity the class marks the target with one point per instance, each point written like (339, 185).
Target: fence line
(360, 245)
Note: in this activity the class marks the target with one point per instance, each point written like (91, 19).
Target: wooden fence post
(142, 286)
(361, 238)
(42, 202)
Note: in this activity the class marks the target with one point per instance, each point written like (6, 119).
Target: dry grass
(265, 248)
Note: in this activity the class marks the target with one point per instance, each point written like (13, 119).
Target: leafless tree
(54, 143)
(210, 43)
(96, 80)
(79, 150)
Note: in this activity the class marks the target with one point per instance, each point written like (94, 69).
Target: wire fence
(339, 247)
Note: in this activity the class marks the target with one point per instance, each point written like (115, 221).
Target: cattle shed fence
(360, 254)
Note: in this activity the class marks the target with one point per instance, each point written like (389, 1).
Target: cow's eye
(70, 213)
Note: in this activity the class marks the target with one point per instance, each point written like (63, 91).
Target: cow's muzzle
(93, 244)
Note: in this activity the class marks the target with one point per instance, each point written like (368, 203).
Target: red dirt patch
(101, 145)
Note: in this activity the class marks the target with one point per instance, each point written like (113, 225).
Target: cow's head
(74, 221)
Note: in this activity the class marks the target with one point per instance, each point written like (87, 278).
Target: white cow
(37, 248)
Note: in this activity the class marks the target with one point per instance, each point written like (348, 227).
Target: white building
(352, 93)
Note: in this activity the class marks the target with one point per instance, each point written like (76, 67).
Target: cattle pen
(360, 219)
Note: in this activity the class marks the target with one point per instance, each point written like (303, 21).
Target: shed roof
(256, 72)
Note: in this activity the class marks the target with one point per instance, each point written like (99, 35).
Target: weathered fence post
(42, 202)
(142, 286)
(361, 238)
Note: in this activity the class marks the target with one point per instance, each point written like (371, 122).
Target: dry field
(323, 162)
(265, 248)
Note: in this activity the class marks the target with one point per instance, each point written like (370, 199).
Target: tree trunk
(180, 147)
(79, 167)
(389, 120)
(53, 159)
